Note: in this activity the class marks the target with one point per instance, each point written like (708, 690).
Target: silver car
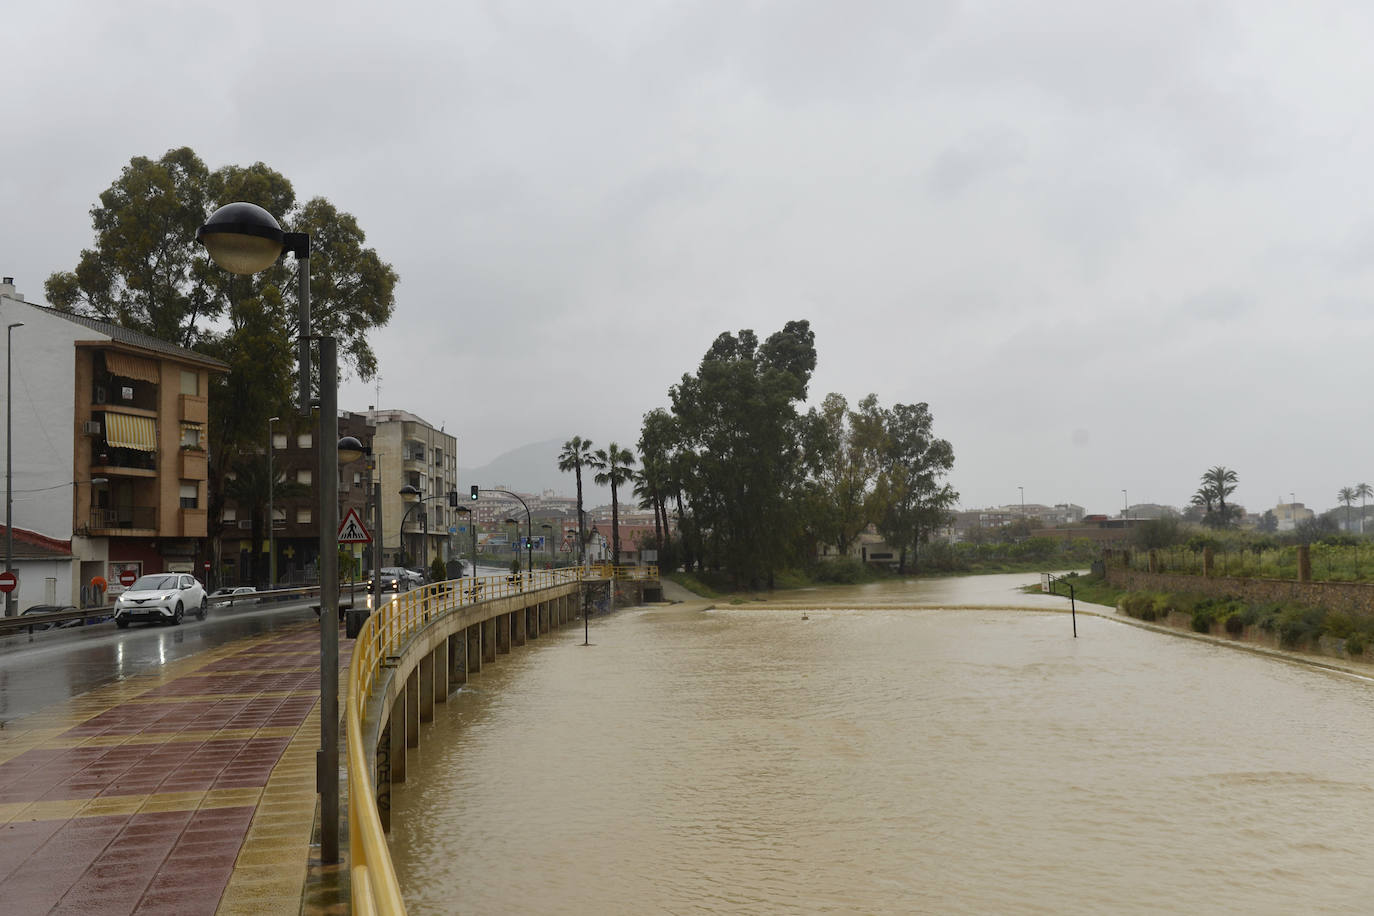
(161, 597)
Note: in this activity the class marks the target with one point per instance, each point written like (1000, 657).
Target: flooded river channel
(875, 759)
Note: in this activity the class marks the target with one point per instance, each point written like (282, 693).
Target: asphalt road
(51, 666)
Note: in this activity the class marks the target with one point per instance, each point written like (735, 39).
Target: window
(302, 516)
(303, 476)
(304, 440)
(191, 435)
(357, 478)
(278, 515)
(231, 514)
(189, 496)
(278, 441)
(190, 382)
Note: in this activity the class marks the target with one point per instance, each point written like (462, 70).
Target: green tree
(613, 469)
(911, 486)
(844, 449)
(576, 454)
(146, 272)
(1217, 483)
(1363, 491)
(741, 464)
(1348, 496)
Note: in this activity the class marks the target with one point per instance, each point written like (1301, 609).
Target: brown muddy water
(884, 760)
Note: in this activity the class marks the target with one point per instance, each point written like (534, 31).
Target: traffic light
(452, 498)
(474, 491)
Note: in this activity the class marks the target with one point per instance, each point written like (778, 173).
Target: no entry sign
(8, 582)
(127, 577)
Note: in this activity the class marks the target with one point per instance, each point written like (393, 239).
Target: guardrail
(374, 885)
(34, 621)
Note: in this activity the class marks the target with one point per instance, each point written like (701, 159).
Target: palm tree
(576, 453)
(1348, 495)
(1363, 490)
(613, 467)
(1221, 483)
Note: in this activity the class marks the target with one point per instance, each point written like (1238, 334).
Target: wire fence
(1329, 562)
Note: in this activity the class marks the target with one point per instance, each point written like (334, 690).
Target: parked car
(162, 598)
(235, 594)
(51, 609)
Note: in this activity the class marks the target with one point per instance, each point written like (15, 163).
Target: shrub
(1235, 624)
(1204, 615)
(1297, 625)
(841, 570)
(1354, 644)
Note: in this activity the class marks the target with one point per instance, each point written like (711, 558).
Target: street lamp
(522, 502)
(411, 495)
(472, 521)
(9, 460)
(1125, 504)
(1023, 502)
(271, 493)
(243, 238)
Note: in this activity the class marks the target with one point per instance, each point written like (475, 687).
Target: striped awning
(125, 365)
(123, 430)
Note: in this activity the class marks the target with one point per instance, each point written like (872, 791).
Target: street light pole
(522, 502)
(9, 460)
(271, 493)
(244, 238)
(1125, 503)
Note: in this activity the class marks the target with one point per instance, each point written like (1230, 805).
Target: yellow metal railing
(384, 634)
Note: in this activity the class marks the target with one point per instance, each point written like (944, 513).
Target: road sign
(8, 582)
(352, 530)
(127, 577)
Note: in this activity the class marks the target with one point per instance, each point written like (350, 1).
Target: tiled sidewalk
(190, 790)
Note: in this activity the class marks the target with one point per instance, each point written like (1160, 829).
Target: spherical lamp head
(242, 238)
(350, 449)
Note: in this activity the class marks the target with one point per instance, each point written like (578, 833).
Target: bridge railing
(384, 634)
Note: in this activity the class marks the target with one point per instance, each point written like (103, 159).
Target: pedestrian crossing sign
(352, 530)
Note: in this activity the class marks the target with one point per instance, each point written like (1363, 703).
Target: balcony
(193, 464)
(193, 522)
(124, 520)
(194, 409)
(122, 462)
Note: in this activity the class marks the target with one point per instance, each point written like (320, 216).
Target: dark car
(52, 609)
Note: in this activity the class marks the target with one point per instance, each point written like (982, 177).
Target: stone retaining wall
(1351, 597)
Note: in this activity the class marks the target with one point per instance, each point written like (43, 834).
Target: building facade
(109, 450)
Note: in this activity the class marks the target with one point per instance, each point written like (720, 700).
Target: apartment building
(407, 451)
(109, 449)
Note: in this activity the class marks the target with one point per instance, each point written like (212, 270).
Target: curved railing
(383, 634)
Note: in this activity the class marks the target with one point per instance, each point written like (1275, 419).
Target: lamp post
(9, 460)
(243, 238)
(271, 494)
(472, 522)
(1125, 504)
(412, 495)
(1023, 502)
(522, 502)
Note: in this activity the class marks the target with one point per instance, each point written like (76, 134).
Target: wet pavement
(183, 783)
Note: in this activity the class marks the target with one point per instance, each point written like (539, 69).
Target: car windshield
(153, 583)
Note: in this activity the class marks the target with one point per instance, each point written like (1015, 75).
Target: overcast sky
(1110, 243)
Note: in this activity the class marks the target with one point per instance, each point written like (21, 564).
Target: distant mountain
(532, 468)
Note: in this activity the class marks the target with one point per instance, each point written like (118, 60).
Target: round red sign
(8, 582)
(127, 577)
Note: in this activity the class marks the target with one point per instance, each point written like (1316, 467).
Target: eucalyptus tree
(146, 272)
(613, 465)
(911, 483)
(577, 454)
(742, 467)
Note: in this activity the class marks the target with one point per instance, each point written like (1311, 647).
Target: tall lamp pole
(472, 522)
(522, 502)
(271, 494)
(1125, 503)
(243, 238)
(9, 460)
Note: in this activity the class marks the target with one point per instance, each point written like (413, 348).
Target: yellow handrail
(374, 885)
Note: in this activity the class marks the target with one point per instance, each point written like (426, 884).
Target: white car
(231, 595)
(161, 597)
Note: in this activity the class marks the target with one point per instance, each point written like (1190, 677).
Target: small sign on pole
(8, 582)
(352, 530)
